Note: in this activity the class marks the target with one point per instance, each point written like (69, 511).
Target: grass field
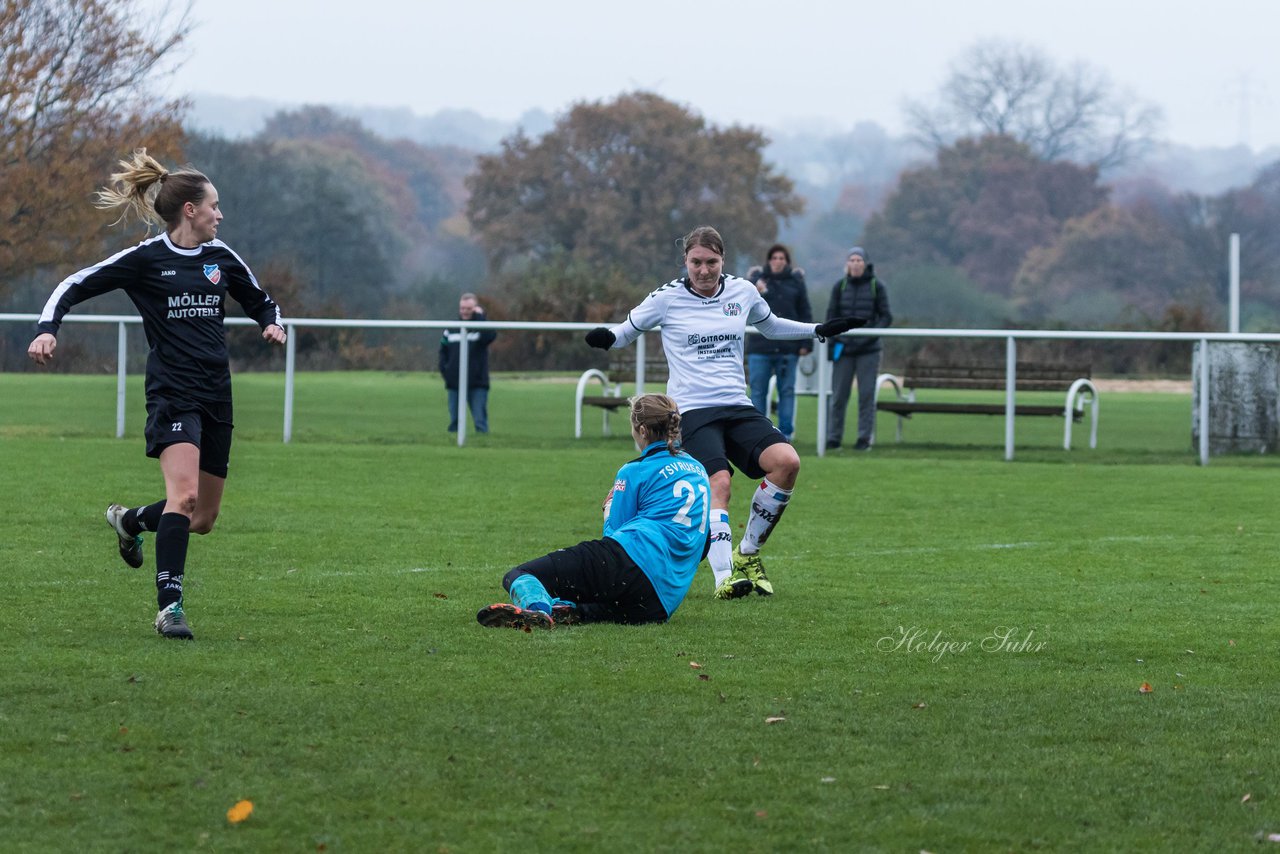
(953, 660)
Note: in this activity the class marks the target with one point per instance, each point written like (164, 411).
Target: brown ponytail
(151, 192)
(658, 418)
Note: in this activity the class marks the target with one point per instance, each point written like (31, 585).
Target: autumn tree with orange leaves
(613, 185)
(75, 97)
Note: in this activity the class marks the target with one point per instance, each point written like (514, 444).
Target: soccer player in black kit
(179, 282)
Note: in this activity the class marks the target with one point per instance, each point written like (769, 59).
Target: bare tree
(1010, 89)
(74, 98)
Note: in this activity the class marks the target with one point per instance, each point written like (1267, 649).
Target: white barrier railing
(1011, 338)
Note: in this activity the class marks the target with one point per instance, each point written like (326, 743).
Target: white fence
(1011, 337)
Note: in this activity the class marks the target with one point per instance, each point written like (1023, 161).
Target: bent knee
(203, 524)
(186, 505)
(784, 465)
(787, 460)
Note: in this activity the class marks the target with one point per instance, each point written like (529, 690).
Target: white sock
(767, 505)
(721, 554)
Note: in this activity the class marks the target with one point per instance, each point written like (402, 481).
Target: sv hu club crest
(732, 309)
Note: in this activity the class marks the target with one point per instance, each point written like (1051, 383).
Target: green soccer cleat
(171, 622)
(753, 568)
(504, 615)
(735, 586)
(130, 544)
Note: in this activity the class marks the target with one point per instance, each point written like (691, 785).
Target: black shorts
(602, 579)
(206, 425)
(719, 435)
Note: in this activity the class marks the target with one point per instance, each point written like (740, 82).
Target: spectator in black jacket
(783, 288)
(477, 365)
(858, 294)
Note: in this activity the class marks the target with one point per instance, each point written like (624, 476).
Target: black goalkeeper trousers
(600, 578)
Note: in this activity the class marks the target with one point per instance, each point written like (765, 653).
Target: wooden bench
(1074, 380)
(621, 372)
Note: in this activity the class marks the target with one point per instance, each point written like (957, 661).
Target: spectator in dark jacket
(783, 288)
(477, 365)
(858, 294)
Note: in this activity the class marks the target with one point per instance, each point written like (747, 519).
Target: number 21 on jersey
(686, 491)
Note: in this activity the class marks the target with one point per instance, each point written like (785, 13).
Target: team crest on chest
(732, 309)
(212, 273)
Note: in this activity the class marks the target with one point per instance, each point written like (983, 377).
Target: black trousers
(601, 578)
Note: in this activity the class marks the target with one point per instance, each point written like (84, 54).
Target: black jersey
(181, 295)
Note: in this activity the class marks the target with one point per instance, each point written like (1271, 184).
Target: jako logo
(732, 309)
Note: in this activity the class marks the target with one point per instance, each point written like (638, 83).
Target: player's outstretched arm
(838, 325)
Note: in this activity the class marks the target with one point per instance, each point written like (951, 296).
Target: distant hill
(241, 117)
(820, 163)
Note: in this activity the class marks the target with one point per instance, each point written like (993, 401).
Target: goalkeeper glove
(837, 325)
(601, 338)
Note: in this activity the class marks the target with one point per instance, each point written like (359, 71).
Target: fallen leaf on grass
(920, 706)
(1145, 688)
(439, 595)
(828, 779)
(882, 788)
(239, 812)
(774, 719)
(695, 665)
(704, 677)
(1231, 643)
(762, 814)
(1248, 797)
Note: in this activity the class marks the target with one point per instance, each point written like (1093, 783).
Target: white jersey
(704, 338)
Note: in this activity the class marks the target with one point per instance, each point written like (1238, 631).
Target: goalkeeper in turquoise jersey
(655, 535)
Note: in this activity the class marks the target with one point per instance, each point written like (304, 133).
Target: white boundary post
(1233, 265)
(641, 355)
(464, 368)
(1204, 401)
(1010, 384)
(824, 394)
(122, 350)
(290, 359)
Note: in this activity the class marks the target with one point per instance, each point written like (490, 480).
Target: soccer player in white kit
(704, 317)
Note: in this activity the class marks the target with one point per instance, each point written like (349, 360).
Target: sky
(1213, 68)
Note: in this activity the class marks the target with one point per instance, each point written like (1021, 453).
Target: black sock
(141, 519)
(172, 534)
